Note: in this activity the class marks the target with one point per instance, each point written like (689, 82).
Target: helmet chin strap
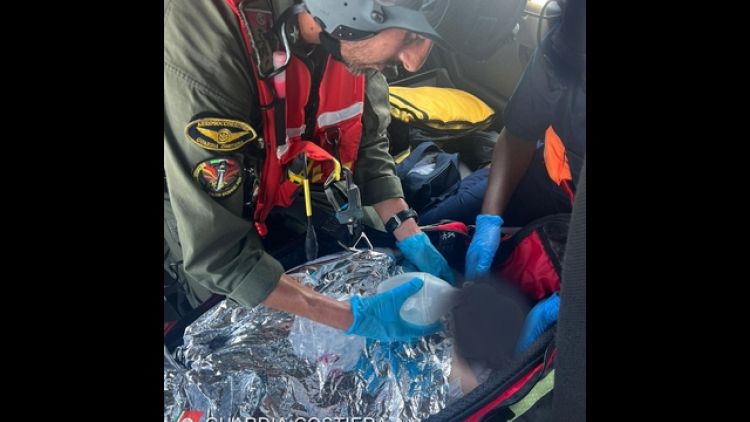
(331, 45)
(390, 72)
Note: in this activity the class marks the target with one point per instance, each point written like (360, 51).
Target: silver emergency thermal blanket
(241, 362)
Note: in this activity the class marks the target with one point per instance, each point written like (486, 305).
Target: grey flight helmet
(352, 20)
(472, 28)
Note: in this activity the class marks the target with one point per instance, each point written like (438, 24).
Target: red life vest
(341, 96)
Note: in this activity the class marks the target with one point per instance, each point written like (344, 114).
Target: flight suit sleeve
(375, 173)
(221, 250)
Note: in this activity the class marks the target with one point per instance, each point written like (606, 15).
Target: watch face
(394, 222)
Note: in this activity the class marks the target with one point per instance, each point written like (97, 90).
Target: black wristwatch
(395, 222)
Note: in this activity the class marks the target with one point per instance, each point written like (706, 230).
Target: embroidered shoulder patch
(217, 134)
(219, 177)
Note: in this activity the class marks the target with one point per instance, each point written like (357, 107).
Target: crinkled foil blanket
(240, 362)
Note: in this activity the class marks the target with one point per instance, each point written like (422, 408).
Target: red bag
(533, 256)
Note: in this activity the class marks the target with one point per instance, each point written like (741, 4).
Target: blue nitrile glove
(419, 251)
(377, 316)
(483, 246)
(539, 319)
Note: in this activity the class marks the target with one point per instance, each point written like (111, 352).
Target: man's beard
(356, 70)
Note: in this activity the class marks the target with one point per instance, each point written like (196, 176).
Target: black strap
(287, 15)
(570, 373)
(331, 45)
(394, 222)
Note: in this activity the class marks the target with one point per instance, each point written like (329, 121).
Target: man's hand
(377, 317)
(419, 251)
(483, 246)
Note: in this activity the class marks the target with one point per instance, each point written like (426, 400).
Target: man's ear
(414, 55)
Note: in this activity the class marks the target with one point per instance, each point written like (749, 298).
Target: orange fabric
(555, 159)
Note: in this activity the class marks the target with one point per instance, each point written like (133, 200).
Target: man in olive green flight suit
(210, 239)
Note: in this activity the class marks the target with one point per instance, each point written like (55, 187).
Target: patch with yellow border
(216, 134)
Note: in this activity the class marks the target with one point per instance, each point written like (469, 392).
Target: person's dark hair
(488, 318)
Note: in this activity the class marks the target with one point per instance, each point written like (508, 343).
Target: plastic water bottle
(429, 304)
